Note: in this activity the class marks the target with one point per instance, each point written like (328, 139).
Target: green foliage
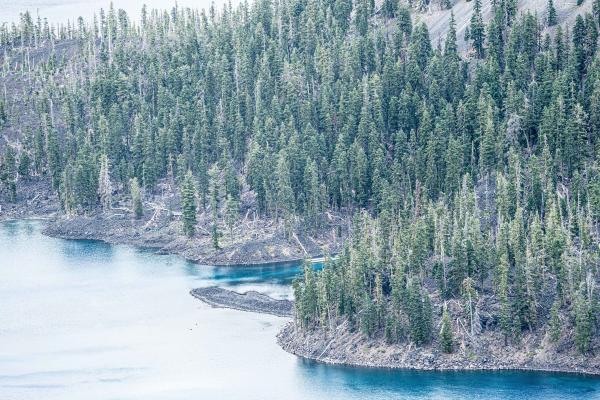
(305, 291)
(215, 203)
(79, 183)
(446, 335)
(390, 8)
(470, 177)
(552, 18)
(3, 115)
(469, 296)
(54, 159)
(104, 185)
(232, 213)
(188, 205)
(136, 198)
(555, 324)
(584, 321)
(419, 312)
(8, 174)
(506, 315)
(24, 166)
(477, 29)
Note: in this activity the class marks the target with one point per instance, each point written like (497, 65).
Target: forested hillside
(492, 230)
(471, 176)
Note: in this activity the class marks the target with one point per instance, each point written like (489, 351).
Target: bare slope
(438, 20)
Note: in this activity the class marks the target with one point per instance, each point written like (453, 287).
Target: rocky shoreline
(346, 348)
(248, 301)
(266, 243)
(351, 349)
(164, 235)
(36, 201)
(254, 239)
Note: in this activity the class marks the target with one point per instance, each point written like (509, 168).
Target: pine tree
(583, 322)
(390, 8)
(342, 11)
(215, 202)
(419, 313)
(3, 115)
(487, 152)
(188, 205)
(506, 316)
(85, 179)
(53, 156)
(232, 211)
(594, 190)
(104, 185)
(477, 29)
(8, 173)
(66, 191)
(285, 194)
(555, 324)
(552, 18)
(361, 18)
(136, 198)
(314, 206)
(24, 165)
(470, 299)
(306, 291)
(454, 166)
(446, 335)
(150, 167)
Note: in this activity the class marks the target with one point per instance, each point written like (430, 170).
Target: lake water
(60, 11)
(88, 320)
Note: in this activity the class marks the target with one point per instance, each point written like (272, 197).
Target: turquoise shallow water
(84, 319)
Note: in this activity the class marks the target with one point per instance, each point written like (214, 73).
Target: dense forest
(468, 173)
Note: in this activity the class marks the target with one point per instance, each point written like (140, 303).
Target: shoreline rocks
(346, 348)
(262, 243)
(249, 301)
(342, 347)
(254, 239)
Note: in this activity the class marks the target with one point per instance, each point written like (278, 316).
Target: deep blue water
(84, 319)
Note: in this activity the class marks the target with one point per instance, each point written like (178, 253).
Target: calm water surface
(61, 11)
(87, 320)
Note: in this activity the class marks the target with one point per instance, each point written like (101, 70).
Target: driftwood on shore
(249, 301)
